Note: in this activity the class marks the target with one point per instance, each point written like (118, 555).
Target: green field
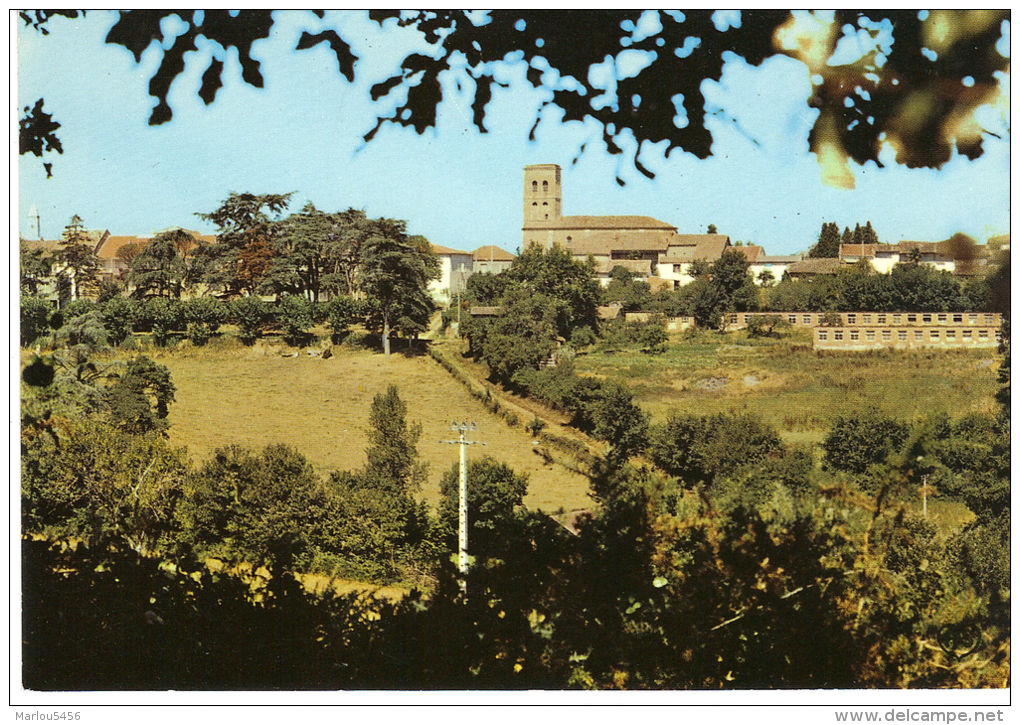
(253, 396)
(794, 388)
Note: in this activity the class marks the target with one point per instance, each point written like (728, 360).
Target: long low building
(738, 320)
(905, 337)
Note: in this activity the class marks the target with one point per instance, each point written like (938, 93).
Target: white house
(455, 267)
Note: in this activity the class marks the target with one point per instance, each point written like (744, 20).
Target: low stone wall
(905, 337)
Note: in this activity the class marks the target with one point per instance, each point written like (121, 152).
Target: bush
(35, 315)
(582, 337)
(699, 448)
(75, 308)
(119, 314)
(765, 325)
(858, 441)
(250, 315)
(535, 426)
(341, 313)
(166, 316)
(294, 315)
(203, 317)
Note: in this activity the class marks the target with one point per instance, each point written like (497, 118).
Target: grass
(794, 388)
(227, 393)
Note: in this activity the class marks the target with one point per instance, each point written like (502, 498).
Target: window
(926, 318)
(950, 334)
(942, 317)
(677, 268)
(989, 319)
(569, 239)
(807, 319)
(901, 335)
(968, 334)
(870, 335)
(866, 319)
(855, 335)
(957, 318)
(733, 319)
(851, 319)
(823, 335)
(896, 319)
(972, 319)
(911, 318)
(534, 187)
(933, 335)
(886, 335)
(918, 335)
(837, 335)
(792, 319)
(982, 334)
(998, 335)
(881, 319)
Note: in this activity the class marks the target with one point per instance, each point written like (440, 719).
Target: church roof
(605, 242)
(599, 222)
(689, 247)
(638, 266)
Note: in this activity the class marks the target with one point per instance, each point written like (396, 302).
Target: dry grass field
(253, 396)
(798, 390)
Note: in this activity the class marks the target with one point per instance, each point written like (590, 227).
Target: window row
(905, 335)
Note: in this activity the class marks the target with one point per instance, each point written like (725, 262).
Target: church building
(650, 248)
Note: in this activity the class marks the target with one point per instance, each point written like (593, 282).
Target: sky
(303, 131)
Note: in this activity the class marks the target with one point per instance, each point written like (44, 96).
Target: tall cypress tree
(828, 241)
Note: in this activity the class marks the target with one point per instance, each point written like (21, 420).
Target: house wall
(738, 320)
(451, 280)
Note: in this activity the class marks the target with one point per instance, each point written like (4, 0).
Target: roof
(778, 258)
(856, 250)
(608, 312)
(695, 246)
(111, 246)
(751, 252)
(606, 242)
(599, 222)
(492, 253)
(639, 266)
(437, 249)
(939, 248)
(819, 265)
(48, 246)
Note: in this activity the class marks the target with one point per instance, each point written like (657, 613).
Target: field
(798, 390)
(254, 396)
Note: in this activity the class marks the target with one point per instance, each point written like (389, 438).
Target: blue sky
(302, 133)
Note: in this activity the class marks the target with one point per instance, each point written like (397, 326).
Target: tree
(392, 454)
(625, 288)
(858, 441)
(242, 255)
(828, 241)
(33, 268)
(203, 317)
(139, 401)
(35, 316)
(868, 234)
(766, 278)
(76, 261)
(250, 315)
(556, 274)
(119, 315)
(495, 500)
(712, 229)
(103, 486)
(158, 270)
(294, 316)
(395, 273)
(254, 507)
(341, 313)
(848, 94)
(521, 338)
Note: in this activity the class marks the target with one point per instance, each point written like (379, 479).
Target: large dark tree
(899, 90)
(159, 269)
(242, 255)
(828, 241)
(76, 261)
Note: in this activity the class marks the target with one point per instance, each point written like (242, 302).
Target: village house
(455, 267)
(492, 259)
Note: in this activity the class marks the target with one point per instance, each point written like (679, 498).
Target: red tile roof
(438, 249)
(857, 250)
(606, 242)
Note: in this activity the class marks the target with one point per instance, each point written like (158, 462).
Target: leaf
(659, 582)
(345, 59)
(211, 81)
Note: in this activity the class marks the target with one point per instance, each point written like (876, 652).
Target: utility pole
(462, 509)
(924, 495)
